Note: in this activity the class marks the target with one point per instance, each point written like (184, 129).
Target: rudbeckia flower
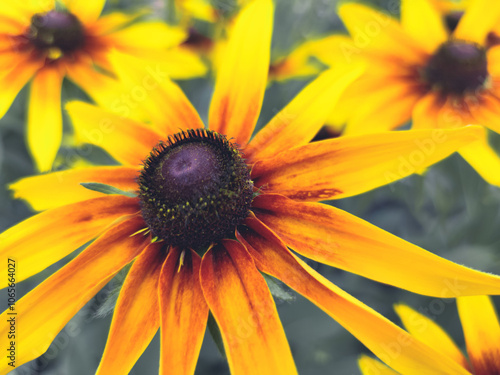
(418, 70)
(43, 43)
(201, 212)
(482, 337)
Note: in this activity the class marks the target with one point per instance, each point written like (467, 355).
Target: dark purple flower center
(457, 67)
(56, 29)
(195, 189)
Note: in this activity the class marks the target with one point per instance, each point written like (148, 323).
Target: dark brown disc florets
(195, 189)
(457, 67)
(56, 29)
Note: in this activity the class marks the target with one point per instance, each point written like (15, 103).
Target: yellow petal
(201, 9)
(183, 311)
(351, 165)
(127, 141)
(16, 13)
(300, 121)
(33, 6)
(114, 21)
(479, 19)
(427, 331)
(483, 159)
(334, 237)
(378, 32)
(13, 81)
(44, 311)
(387, 103)
(424, 23)
(241, 80)
(103, 89)
(487, 113)
(48, 237)
(45, 125)
(11, 24)
(164, 102)
(38, 191)
(334, 50)
(181, 63)
(152, 35)
(86, 11)
(137, 313)
(482, 333)
(493, 57)
(297, 63)
(370, 366)
(426, 113)
(254, 339)
(390, 343)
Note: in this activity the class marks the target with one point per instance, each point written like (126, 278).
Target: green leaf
(60, 6)
(112, 290)
(106, 189)
(214, 330)
(277, 289)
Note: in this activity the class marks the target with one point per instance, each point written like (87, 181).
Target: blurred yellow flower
(46, 41)
(419, 69)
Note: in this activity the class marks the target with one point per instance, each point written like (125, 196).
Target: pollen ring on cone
(195, 189)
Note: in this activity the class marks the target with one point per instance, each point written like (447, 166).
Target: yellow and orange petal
(430, 333)
(375, 332)
(254, 339)
(235, 107)
(334, 237)
(38, 191)
(482, 333)
(58, 232)
(48, 307)
(306, 172)
(183, 312)
(137, 309)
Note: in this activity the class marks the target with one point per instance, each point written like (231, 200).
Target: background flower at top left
(45, 41)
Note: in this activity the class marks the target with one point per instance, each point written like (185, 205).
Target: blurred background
(450, 211)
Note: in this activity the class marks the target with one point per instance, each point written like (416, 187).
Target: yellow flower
(482, 337)
(418, 70)
(44, 44)
(208, 210)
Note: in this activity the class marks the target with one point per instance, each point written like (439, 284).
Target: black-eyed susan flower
(421, 70)
(202, 211)
(46, 41)
(481, 329)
